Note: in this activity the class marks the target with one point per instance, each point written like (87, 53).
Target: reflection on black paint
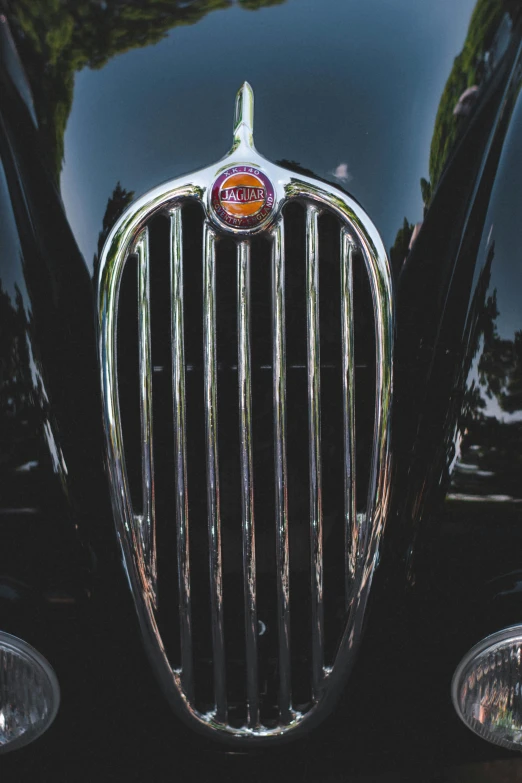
(116, 204)
(16, 387)
(489, 36)
(45, 326)
(500, 367)
(486, 43)
(489, 465)
(60, 39)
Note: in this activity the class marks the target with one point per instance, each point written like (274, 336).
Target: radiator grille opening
(245, 347)
(228, 420)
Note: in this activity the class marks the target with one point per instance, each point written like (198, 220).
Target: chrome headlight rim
(18, 647)
(490, 643)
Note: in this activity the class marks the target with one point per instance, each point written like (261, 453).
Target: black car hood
(136, 95)
(397, 103)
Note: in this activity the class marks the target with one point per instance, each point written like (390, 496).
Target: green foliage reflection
(486, 41)
(467, 72)
(57, 38)
(254, 5)
(401, 246)
(499, 367)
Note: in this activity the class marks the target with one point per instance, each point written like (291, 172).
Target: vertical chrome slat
(247, 477)
(379, 478)
(211, 428)
(348, 370)
(314, 436)
(180, 448)
(281, 476)
(148, 518)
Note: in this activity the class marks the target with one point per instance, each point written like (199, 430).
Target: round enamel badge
(242, 197)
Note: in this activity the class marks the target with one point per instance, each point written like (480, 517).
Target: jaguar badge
(242, 197)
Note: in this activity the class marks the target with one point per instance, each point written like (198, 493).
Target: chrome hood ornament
(241, 196)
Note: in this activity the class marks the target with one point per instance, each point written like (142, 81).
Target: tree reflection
(486, 41)
(116, 204)
(254, 5)
(294, 165)
(489, 463)
(22, 394)
(401, 246)
(500, 370)
(498, 373)
(13, 358)
(57, 39)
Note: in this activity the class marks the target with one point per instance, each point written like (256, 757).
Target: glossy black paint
(365, 95)
(41, 552)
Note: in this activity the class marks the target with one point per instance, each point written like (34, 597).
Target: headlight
(29, 693)
(487, 688)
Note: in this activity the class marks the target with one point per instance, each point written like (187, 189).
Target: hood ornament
(241, 196)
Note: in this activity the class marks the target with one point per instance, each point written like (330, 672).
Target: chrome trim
(314, 445)
(146, 521)
(467, 669)
(247, 477)
(280, 466)
(348, 248)
(31, 657)
(244, 119)
(180, 448)
(211, 428)
(363, 531)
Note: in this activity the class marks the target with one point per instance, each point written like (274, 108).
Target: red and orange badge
(242, 197)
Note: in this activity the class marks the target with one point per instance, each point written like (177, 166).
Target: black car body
(414, 109)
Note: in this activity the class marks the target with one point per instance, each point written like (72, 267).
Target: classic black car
(261, 411)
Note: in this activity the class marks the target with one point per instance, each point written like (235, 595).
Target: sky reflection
(357, 83)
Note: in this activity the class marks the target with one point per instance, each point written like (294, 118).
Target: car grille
(236, 425)
(246, 373)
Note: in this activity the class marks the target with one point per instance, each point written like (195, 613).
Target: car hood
(130, 96)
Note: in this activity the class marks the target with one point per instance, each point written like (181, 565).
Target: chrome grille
(137, 531)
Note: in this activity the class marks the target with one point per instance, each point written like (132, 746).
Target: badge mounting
(242, 197)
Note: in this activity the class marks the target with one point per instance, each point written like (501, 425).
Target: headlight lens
(487, 688)
(29, 693)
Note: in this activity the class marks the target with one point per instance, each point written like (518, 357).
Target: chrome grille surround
(136, 533)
